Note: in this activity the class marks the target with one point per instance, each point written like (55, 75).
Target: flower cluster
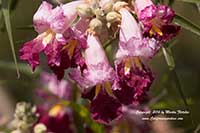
(71, 36)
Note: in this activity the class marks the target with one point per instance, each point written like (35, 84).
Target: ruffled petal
(30, 52)
(40, 17)
(133, 81)
(105, 108)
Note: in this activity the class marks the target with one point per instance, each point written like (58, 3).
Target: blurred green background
(186, 53)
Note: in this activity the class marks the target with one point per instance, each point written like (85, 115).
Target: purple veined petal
(30, 52)
(57, 20)
(105, 108)
(139, 5)
(40, 17)
(70, 11)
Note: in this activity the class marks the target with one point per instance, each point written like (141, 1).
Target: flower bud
(112, 17)
(84, 10)
(107, 6)
(95, 25)
(40, 128)
(99, 13)
(120, 4)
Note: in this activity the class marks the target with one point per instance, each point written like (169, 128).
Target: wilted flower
(156, 20)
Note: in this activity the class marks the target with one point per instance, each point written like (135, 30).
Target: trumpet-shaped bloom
(156, 20)
(96, 81)
(60, 43)
(131, 41)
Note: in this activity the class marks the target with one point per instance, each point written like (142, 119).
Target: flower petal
(40, 17)
(30, 52)
(57, 20)
(105, 108)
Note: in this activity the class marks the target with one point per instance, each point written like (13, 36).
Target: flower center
(71, 47)
(156, 27)
(107, 87)
(48, 36)
(55, 110)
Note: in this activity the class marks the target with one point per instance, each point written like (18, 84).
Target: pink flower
(61, 89)
(96, 83)
(59, 42)
(156, 20)
(131, 42)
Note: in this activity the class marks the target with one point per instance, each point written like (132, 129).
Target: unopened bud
(112, 17)
(95, 24)
(120, 4)
(107, 5)
(84, 10)
(99, 13)
(40, 128)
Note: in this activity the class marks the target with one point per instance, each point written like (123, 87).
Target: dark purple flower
(133, 81)
(104, 108)
(57, 119)
(156, 20)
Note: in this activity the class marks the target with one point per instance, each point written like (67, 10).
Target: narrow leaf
(6, 15)
(169, 58)
(191, 1)
(188, 25)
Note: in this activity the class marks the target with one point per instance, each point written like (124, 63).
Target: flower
(131, 41)
(56, 39)
(96, 83)
(56, 118)
(156, 20)
(133, 78)
(133, 81)
(61, 88)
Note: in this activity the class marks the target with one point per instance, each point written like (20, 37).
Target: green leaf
(188, 25)
(23, 67)
(169, 58)
(191, 1)
(6, 15)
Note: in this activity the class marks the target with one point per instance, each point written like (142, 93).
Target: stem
(178, 86)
